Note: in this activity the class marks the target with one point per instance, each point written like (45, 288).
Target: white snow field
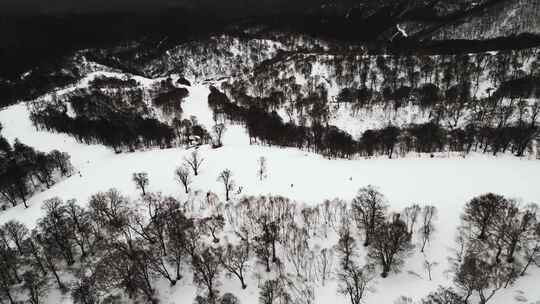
(446, 183)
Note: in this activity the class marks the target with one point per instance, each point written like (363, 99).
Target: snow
(401, 30)
(446, 183)
(196, 104)
(375, 117)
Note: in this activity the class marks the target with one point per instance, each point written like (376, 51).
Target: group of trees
(23, 171)
(169, 98)
(429, 137)
(432, 137)
(117, 247)
(269, 128)
(118, 104)
(183, 175)
(366, 80)
(213, 57)
(388, 238)
(113, 82)
(189, 132)
(497, 242)
(97, 113)
(130, 131)
(119, 244)
(448, 92)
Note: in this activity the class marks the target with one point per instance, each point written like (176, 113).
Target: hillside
(355, 152)
(460, 180)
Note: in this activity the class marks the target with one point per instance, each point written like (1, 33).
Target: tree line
(269, 128)
(113, 112)
(24, 170)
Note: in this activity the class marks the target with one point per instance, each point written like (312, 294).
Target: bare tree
(110, 212)
(6, 282)
(61, 159)
(17, 232)
(324, 262)
(128, 266)
(85, 288)
(476, 275)
(35, 257)
(206, 270)
(178, 226)
(157, 262)
(426, 231)
(184, 177)
(498, 229)
(234, 259)
(346, 246)
(194, 161)
(519, 230)
(83, 232)
(36, 286)
(270, 233)
(391, 243)
(428, 266)
(262, 170)
(481, 212)
(298, 252)
(263, 251)
(265, 242)
(57, 231)
(226, 178)
(213, 225)
(476, 267)
(273, 292)
(141, 181)
(532, 249)
(50, 256)
(354, 282)
(218, 130)
(410, 216)
(369, 210)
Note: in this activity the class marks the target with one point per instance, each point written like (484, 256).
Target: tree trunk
(8, 295)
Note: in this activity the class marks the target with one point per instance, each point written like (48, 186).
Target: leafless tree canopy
(194, 161)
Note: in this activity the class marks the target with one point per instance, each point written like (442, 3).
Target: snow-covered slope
(307, 178)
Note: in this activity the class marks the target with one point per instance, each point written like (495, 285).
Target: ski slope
(307, 178)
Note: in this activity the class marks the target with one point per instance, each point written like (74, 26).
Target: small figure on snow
(239, 190)
(292, 185)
